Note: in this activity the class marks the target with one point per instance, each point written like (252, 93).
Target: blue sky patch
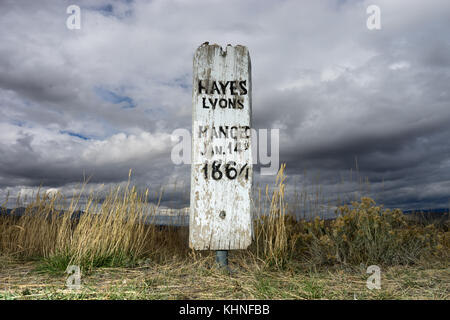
(74, 134)
(112, 97)
(109, 10)
(18, 123)
(106, 10)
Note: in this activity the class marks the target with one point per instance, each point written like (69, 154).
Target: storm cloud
(106, 98)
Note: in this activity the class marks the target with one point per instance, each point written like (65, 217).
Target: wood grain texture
(220, 211)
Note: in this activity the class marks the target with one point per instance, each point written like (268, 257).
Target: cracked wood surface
(220, 210)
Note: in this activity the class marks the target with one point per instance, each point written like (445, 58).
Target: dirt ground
(203, 280)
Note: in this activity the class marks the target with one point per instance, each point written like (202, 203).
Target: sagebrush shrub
(367, 233)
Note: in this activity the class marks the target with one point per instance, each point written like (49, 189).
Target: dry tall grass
(109, 233)
(274, 243)
(113, 232)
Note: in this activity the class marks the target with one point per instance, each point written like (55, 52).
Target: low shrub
(367, 233)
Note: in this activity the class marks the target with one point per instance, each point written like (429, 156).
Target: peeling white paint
(229, 71)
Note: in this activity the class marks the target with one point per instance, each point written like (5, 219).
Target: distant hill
(180, 217)
(165, 218)
(432, 211)
(17, 212)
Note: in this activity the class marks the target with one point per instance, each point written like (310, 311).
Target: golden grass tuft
(113, 232)
(110, 233)
(274, 243)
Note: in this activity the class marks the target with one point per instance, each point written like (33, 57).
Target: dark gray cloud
(106, 98)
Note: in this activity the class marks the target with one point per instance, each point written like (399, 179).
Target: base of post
(222, 258)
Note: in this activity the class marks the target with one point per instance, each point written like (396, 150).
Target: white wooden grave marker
(221, 166)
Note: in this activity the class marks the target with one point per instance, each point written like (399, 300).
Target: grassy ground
(121, 257)
(201, 279)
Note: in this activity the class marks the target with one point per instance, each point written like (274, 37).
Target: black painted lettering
(215, 135)
(201, 87)
(240, 104)
(205, 170)
(247, 132)
(223, 103)
(213, 102)
(233, 88)
(202, 131)
(223, 131)
(218, 149)
(216, 170)
(243, 86)
(224, 86)
(204, 103)
(232, 103)
(231, 132)
(214, 88)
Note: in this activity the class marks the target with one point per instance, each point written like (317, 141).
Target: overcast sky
(106, 98)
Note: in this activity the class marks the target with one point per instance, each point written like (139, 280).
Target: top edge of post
(222, 51)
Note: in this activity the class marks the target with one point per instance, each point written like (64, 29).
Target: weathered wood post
(221, 167)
